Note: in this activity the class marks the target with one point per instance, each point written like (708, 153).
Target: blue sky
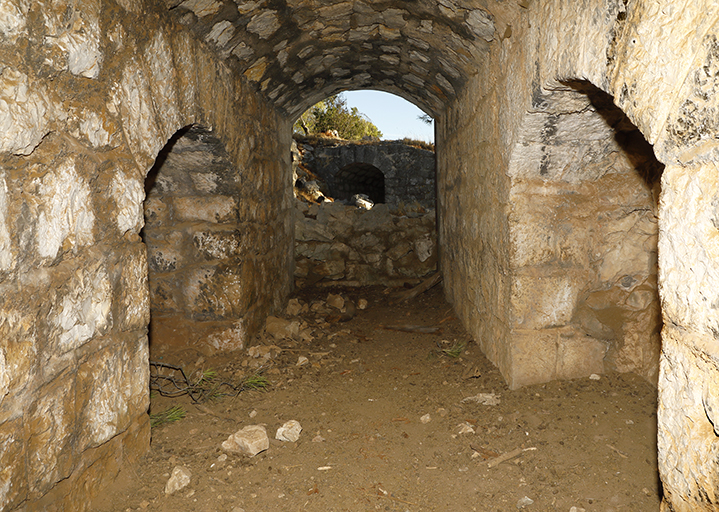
(395, 117)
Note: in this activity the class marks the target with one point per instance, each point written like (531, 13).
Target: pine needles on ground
(174, 413)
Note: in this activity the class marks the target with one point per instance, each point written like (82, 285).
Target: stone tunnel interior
(550, 219)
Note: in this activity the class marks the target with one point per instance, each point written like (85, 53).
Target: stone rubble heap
(350, 246)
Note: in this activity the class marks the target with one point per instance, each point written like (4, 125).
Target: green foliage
(333, 114)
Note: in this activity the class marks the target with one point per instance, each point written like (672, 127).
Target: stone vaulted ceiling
(298, 52)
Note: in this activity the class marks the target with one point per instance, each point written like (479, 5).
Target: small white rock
(302, 360)
(253, 413)
(290, 431)
(362, 304)
(523, 502)
(594, 376)
(465, 428)
(577, 509)
(425, 419)
(179, 479)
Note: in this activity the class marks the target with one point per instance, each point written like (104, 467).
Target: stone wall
(408, 171)
(90, 92)
(350, 246)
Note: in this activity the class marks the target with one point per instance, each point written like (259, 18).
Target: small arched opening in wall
(194, 246)
(359, 178)
(366, 210)
(583, 222)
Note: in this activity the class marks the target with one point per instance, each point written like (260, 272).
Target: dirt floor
(361, 398)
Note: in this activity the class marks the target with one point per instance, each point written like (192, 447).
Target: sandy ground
(360, 398)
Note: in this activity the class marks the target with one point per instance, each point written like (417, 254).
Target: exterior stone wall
(350, 246)
(89, 93)
(408, 171)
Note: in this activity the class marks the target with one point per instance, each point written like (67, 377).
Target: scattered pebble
(253, 413)
(425, 419)
(465, 428)
(289, 432)
(577, 509)
(523, 502)
(483, 398)
(318, 439)
(179, 479)
(302, 360)
(594, 376)
(362, 304)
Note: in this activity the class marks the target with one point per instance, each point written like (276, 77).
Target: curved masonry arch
(100, 87)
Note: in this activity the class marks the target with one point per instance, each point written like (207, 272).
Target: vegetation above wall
(333, 115)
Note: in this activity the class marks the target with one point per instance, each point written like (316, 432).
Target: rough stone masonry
(554, 236)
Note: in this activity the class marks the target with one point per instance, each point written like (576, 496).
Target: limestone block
(213, 292)
(132, 309)
(159, 59)
(214, 209)
(166, 294)
(264, 24)
(50, 430)
(311, 230)
(279, 328)
(82, 308)
(217, 244)
(67, 218)
(539, 300)
(14, 20)
(134, 102)
(687, 415)
(250, 441)
(423, 247)
(579, 355)
(399, 250)
(7, 253)
(230, 339)
(13, 465)
(78, 37)
(113, 389)
(129, 195)
(156, 211)
(289, 431)
(533, 357)
(18, 349)
(367, 242)
(688, 246)
(333, 269)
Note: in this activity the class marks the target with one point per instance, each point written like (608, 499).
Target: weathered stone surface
(249, 441)
(179, 479)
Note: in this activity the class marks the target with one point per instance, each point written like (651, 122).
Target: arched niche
(199, 260)
(583, 235)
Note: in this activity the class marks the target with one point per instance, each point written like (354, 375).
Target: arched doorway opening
(360, 178)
